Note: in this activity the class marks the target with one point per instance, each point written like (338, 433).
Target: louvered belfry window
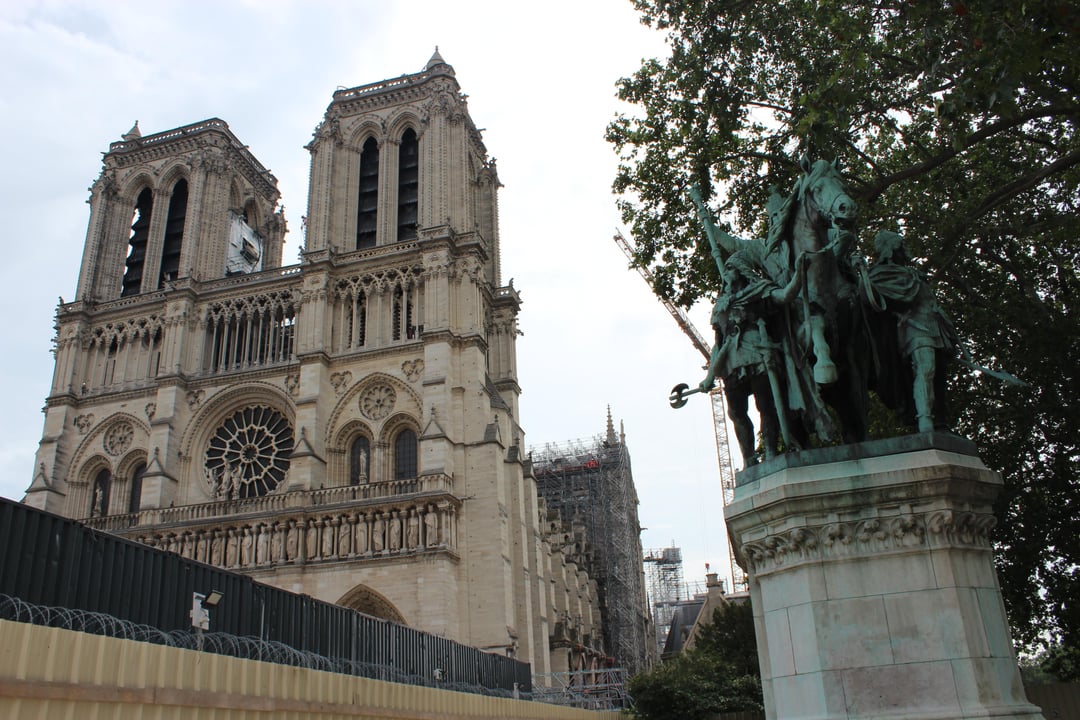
(140, 233)
(174, 233)
(368, 197)
(408, 186)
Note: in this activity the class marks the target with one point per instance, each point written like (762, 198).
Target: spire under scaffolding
(590, 481)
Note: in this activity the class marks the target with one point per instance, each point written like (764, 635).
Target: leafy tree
(720, 674)
(955, 122)
(1055, 664)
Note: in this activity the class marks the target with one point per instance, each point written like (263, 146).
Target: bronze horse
(828, 352)
(824, 348)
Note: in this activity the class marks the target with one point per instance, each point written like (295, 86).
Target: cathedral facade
(347, 427)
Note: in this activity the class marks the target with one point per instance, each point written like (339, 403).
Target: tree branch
(875, 189)
(1021, 184)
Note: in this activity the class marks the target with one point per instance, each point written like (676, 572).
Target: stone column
(155, 241)
(873, 585)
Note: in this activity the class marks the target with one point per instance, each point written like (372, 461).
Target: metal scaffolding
(590, 481)
(723, 447)
(663, 569)
(597, 690)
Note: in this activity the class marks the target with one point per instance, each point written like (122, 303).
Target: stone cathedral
(346, 427)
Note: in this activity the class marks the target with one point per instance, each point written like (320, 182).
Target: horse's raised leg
(825, 372)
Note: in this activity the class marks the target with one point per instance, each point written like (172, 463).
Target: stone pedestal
(873, 585)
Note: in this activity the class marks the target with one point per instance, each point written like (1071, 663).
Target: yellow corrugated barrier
(50, 673)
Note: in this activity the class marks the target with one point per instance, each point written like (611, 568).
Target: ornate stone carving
(248, 455)
(292, 384)
(431, 526)
(340, 381)
(467, 267)
(83, 422)
(195, 398)
(378, 401)
(150, 410)
(214, 162)
(867, 537)
(118, 438)
(963, 528)
(413, 369)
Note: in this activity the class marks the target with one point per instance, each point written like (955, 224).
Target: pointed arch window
(368, 197)
(402, 315)
(405, 453)
(360, 461)
(359, 319)
(408, 185)
(140, 233)
(135, 497)
(99, 498)
(174, 233)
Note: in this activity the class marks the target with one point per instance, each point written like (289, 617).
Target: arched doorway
(369, 602)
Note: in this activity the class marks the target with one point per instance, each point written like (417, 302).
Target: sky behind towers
(541, 83)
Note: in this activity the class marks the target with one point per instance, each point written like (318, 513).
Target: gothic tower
(347, 427)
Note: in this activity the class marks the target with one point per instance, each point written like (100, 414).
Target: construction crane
(716, 397)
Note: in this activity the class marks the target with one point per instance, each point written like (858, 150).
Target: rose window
(249, 453)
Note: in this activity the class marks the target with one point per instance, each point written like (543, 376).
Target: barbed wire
(238, 646)
(601, 689)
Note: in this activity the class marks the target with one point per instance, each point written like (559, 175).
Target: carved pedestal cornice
(865, 538)
(907, 502)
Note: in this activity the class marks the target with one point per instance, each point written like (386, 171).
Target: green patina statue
(805, 325)
(745, 355)
(923, 333)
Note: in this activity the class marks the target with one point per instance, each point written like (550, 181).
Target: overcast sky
(540, 77)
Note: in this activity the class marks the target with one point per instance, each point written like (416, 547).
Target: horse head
(822, 191)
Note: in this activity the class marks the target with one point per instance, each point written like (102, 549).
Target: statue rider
(745, 355)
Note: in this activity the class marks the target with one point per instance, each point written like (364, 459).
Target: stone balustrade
(376, 520)
(274, 503)
(311, 536)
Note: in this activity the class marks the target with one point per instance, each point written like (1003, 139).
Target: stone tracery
(250, 331)
(118, 438)
(248, 454)
(122, 351)
(375, 308)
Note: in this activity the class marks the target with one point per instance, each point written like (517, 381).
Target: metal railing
(63, 571)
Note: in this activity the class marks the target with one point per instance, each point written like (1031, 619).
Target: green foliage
(956, 124)
(720, 674)
(1055, 664)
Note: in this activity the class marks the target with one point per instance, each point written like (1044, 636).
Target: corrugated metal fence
(49, 560)
(1059, 701)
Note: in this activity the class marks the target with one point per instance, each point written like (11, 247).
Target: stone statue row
(340, 537)
(807, 326)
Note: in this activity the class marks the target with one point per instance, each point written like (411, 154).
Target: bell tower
(166, 206)
(378, 145)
